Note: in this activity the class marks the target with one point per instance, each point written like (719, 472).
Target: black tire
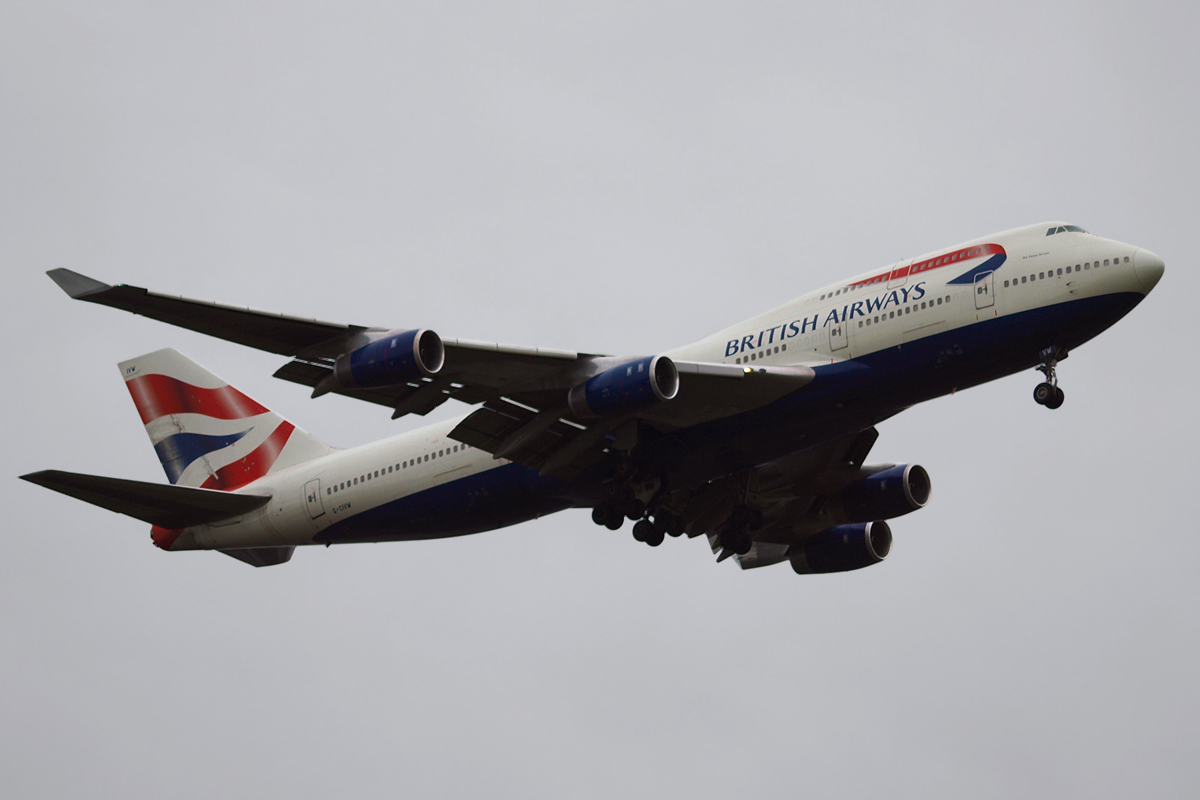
(655, 538)
(643, 530)
(1057, 400)
(613, 519)
(599, 515)
(634, 508)
(743, 544)
(1043, 393)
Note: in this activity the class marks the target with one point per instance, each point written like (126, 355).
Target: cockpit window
(1065, 229)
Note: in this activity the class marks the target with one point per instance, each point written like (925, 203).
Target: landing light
(747, 370)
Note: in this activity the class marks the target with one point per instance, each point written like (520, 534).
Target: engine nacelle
(625, 388)
(886, 494)
(842, 549)
(395, 357)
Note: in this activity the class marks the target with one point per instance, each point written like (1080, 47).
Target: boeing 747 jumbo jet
(756, 436)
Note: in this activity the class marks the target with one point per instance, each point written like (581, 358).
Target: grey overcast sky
(620, 178)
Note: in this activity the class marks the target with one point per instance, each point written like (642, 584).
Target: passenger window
(784, 346)
(860, 323)
(892, 315)
(1087, 265)
(908, 309)
(1022, 279)
(1060, 270)
(1126, 259)
(1006, 284)
(1106, 262)
(939, 301)
(1041, 276)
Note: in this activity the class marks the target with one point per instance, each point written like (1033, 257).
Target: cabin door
(985, 285)
(312, 499)
(837, 337)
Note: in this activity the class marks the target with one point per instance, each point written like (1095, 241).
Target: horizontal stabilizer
(159, 504)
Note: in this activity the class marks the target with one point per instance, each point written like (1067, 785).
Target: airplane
(756, 436)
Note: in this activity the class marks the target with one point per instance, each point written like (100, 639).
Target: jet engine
(886, 494)
(395, 357)
(625, 388)
(842, 549)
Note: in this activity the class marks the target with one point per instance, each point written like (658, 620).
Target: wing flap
(500, 422)
(159, 504)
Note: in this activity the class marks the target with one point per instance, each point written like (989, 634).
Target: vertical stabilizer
(207, 433)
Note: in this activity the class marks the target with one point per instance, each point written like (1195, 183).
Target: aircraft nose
(1148, 268)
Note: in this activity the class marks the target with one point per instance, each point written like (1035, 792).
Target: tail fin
(207, 433)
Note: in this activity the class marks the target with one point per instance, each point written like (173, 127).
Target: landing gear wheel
(736, 541)
(1047, 393)
(615, 521)
(634, 508)
(668, 523)
(644, 531)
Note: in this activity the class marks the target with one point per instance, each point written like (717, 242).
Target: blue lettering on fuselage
(790, 330)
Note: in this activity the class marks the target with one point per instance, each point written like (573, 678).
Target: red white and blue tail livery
(206, 433)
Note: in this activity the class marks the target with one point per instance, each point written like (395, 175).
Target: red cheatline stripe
(944, 260)
(159, 395)
(254, 465)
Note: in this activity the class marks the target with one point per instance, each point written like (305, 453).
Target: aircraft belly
(495, 498)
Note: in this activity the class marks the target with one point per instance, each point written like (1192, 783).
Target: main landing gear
(735, 535)
(1047, 393)
(613, 513)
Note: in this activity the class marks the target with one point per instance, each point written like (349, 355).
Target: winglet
(76, 285)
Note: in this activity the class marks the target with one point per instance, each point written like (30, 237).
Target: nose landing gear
(1047, 393)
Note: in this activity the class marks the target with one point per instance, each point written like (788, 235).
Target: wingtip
(75, 285)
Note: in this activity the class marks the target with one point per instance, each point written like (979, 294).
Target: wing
(474, 371)
(525, 416)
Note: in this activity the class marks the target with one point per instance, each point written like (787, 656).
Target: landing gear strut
(1047, 393)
